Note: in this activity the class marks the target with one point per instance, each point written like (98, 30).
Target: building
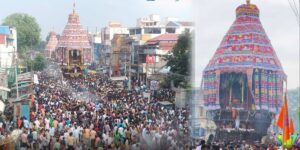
(8, 46)
(97, 46)
(244, 77)
(107, 33)
(74, 49)
(149, 21)
(3, 84)
(152, 41)
(147, 28)
(152, 26)
(51, 45)
(121, 55)
(154, 51)
(178, 27)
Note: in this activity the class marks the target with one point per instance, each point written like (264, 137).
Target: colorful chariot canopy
(246, 45)
(52, 43)
(245, 50)
(74, 36)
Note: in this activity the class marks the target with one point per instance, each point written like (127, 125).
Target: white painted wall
(7, 50)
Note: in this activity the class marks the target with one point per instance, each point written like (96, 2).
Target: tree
(179, 62)
(39, 63)
(28, 30)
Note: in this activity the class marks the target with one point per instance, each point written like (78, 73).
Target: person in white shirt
(47, 121)
(76, 133)
(52, 131)
(26, 123)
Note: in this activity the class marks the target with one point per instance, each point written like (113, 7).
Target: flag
(286, 127)
(283, 120)
(292, 130)
(280, 117)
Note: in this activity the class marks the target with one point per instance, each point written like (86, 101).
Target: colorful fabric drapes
(210, 90)
(266, 88)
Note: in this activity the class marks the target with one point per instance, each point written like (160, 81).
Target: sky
(53, 14)
(214, 17)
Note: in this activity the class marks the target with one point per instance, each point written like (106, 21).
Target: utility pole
(16, 71)
(130, 61)
(32, 74)
(125, 69)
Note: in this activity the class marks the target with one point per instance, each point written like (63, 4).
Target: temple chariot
(243, 82)
(73, 51)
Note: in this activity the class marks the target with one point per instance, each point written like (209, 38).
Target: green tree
(39, 63)
(28, 30)
(179, 62)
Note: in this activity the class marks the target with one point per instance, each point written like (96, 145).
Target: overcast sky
(214, 17)
(95, 13)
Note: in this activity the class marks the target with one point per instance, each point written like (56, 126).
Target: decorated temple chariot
(243, 83)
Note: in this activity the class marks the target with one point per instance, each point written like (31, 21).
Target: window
(106, 36)
(138, 31)
(132, 31)
(152, 30)
(170, 30)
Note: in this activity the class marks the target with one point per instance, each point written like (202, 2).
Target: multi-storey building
(154, 51)
(154, 38)
(178, 27)
(107, 33)
(8, 45)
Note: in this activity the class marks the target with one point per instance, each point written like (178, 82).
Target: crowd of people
(93, 112)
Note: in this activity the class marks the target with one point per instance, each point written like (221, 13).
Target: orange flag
(286, 127)
(280, 117)
(292, 130)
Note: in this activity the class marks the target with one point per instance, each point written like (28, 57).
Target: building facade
(107, 33)
(8, 46)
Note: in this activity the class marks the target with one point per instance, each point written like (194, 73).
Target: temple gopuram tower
(243, 82)
(74, 49)
(51, 46)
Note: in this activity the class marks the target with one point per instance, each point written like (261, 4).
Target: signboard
(2, 106)
(4, 89)
(121, 78)
(153, 85)
(146, 95)
(35, 79)
(24, 76)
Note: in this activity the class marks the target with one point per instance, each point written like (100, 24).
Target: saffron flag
(286, 127)
(280, 117)
(283, 120)
(292, 130)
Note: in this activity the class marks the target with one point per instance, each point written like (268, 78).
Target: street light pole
(130, 62)
(16, 71)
